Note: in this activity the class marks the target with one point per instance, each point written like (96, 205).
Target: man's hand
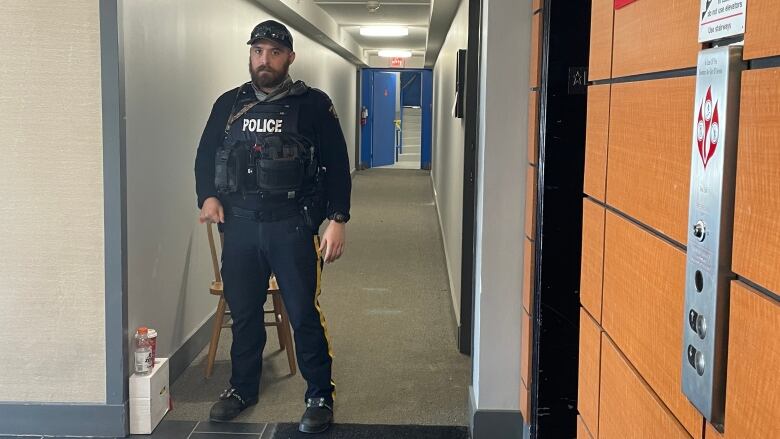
(332, 244)
(212, 211)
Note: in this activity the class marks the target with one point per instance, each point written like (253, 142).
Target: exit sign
(620, 3)
(397, 62)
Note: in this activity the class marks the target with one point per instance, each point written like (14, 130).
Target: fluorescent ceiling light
(395, 53)
(384, 31)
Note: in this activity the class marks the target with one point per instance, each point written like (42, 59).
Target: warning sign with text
(721, 19)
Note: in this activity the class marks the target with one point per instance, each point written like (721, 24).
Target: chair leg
(277, 302)
(285, 329)
(215, 332)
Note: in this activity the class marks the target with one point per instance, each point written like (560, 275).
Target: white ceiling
(351, 14)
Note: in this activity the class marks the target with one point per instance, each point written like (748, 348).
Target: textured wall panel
(533, 126)
(589, 372)
(629, 408)
(756, 220)
(644, 278)
(592, 267)
(653, 36)
(525, 350)
(528, 275)
(536, 59)
(530, 202)
(51, 186)
(649, 152)
(753, 382)
(582, 430)
(601, 39)
(596, 141)
(761, 29)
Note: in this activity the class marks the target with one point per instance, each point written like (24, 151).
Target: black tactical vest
(264, 155)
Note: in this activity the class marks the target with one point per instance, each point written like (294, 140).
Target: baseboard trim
(490, 424)
(59, 419)
(183, 357)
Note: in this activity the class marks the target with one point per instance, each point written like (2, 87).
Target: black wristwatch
(339, 217)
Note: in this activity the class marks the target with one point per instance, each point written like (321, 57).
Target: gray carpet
(389, 314)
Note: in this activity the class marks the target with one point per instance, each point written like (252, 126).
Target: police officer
(272, 164)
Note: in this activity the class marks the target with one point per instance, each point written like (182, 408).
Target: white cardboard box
(149, 398)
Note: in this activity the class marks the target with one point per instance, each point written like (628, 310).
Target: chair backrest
(213, 248)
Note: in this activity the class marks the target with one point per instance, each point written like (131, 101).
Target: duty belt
(266, 216)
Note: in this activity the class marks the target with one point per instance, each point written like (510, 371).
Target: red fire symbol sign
(707, 128)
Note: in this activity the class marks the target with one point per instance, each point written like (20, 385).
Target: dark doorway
(555, 310)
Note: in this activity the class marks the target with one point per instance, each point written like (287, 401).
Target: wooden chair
(280, 319)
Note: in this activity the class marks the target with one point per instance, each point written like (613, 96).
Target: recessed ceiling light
(395, 53)
(384, 31)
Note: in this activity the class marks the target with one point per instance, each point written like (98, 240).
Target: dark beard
(271, 78)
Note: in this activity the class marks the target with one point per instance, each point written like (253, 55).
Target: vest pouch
(280, 175)
(226, 172)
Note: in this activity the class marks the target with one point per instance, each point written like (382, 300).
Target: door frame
(364, 159)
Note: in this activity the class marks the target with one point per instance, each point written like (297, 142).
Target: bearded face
(269, 64)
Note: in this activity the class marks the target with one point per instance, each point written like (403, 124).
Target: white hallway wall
(500, 203)
(179, 57)
(447, 157)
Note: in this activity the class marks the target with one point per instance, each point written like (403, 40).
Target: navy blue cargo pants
(252, 251)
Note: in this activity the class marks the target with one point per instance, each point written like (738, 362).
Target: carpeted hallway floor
(389, 314)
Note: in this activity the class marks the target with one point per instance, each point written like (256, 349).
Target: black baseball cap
(274, 31)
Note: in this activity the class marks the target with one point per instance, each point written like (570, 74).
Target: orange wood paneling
(761, 29)
(528, 275)
(756, 221)
(589, 372)
(533, 126)
(596, 137)
(537, 4)
(654, 36)
(711, 433)
(536, 60)
(592, 267)
(525, 349)
(525, 402)
(582, 430)
(530, 201)
(644, 280)
(753, 381)
(648, 169)
(601, 39)
(628, 407)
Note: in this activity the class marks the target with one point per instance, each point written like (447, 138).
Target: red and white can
(152, 335)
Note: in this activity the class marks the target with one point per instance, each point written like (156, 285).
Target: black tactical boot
(318, 416)
(230, 404)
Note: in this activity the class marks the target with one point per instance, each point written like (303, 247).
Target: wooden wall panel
(525, 349)
(528, 274)
(629, 409)
(756, 220)
(753, 381)
(596, 138)
(530, 202)
(644, 280)
(648, 173)
(525, 402)
(761, 29)
(654, 36)
(536, 59)
(711, 433)
(582, 430)
(589, 372)
(533, 126)
(601, 40)
(592, 267)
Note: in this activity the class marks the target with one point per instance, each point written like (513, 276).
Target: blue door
(383, 133)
